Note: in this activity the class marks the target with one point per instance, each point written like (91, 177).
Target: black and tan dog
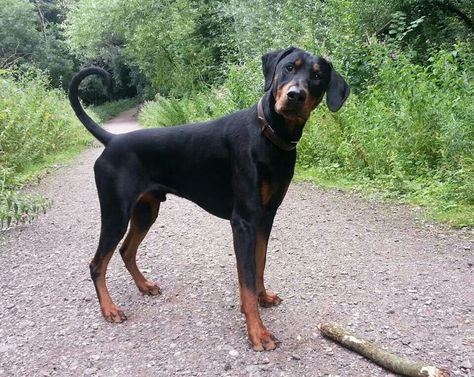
(237, 167)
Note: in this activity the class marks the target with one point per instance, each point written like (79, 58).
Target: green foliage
(262, 25)
(35, 123)
(29, 34)
(110, 110)
(410, 133)
(400, 28)
(16, 208)
(244, 83)
(18, 34)
(161, 39)
(164, 112)
(90, 27)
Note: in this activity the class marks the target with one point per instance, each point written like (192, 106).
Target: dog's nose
(296, 94)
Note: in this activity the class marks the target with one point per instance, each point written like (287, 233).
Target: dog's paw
(263, 340)
(268, 299)
(150, 288)
(113, 314)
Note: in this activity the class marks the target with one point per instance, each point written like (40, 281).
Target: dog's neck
(285, 129)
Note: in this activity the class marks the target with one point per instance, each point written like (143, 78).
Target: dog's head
(298, 81)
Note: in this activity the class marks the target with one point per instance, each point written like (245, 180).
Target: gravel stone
(376, 272)
(466, 364)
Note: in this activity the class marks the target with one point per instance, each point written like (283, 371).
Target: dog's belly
(219, 208)
(214, 197)
(211, 190)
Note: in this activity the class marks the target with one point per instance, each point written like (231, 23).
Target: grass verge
(456, 215)
(110, 110)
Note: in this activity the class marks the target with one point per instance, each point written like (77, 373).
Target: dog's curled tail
(99, 133)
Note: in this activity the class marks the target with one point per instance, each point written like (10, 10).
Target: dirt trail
(333, 256)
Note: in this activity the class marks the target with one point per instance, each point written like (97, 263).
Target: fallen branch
(379, 356)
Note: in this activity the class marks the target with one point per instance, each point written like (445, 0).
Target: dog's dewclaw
(371, 351)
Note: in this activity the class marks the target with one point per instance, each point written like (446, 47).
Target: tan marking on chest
(266, 191)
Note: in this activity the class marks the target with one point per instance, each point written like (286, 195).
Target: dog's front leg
(245, 241)
(266, 299)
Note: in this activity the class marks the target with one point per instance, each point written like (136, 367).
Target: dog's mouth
(295, 112)
(290, 108)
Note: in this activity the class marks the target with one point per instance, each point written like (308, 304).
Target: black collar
(270, 133)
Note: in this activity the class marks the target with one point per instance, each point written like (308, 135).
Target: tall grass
(35, 123)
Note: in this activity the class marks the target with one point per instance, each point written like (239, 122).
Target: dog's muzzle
(295, 96)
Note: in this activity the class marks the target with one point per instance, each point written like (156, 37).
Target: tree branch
(42, 19)
(379, 356)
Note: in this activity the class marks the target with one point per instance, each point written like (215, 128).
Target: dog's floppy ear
(337, 91)
(270, 62)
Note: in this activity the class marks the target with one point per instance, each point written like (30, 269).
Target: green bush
(164, 112)
(36, 122)
(16, 208)
(410, 133)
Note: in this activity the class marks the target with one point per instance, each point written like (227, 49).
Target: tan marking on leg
(265, 299)
(131, 243)
(260, 338)
(110, 311)
(130, 246)
(261, 256)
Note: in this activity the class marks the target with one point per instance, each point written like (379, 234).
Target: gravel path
(333, 256)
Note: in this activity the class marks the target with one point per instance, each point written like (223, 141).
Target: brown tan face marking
(310, 104)
(295, 118)
(281, 97)
(316, 67)
(298, 62)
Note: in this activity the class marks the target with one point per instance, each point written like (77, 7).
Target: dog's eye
(316, 76)
(290, 67)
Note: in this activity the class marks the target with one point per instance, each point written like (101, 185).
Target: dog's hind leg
(115, 213)
(114, 225)
(144, 215)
